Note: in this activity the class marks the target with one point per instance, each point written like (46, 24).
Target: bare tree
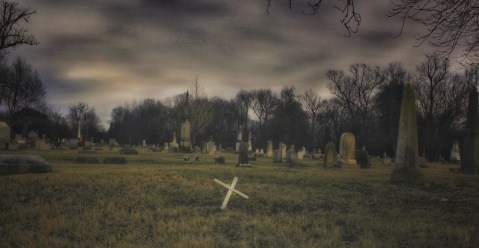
(201, 111)
(356, 94)
(441, 100)
(351, 18)
(78, 115)
(356, 91)
(449, 24)
(11, 32)
(21, 87)
(263, 104)
(243, 101)
(312, 103)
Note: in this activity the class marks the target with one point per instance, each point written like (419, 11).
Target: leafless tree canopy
(20, 86)
(450, 24)
(11, 32)
(351, 19)
(356, 91)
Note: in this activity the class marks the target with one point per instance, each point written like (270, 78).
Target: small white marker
(231, 189)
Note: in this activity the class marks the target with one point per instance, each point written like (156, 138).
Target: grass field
(158, 200)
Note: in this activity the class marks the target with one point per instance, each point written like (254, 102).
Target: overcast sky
(111, 52)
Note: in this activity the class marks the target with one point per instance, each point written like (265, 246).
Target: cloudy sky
(111, 52)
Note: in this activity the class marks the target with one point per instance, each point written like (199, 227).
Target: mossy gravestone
(406, 167)
(347, 149)
(470, 158)
(330, 154)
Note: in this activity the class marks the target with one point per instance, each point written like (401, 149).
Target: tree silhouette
(11, 32)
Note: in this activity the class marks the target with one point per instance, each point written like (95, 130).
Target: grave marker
(269, 149)
(347, 149)
(231, 189)
(406, 165)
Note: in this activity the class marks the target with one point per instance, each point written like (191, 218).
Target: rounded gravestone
(330, 154)
(347, 149)
(269, 149)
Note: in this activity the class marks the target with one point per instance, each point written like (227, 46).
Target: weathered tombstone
(330, 154)
(406, 165)
(243, 155)
(239, 139)
(362, 158)
(259, 153)
(301, 153)
(347, 149)
(470, 156)
(282, 147)
(269, 149)
(211, 148)
(291, 157)
(144, 143)
(277, 158)
(4, 136)
(455, 154)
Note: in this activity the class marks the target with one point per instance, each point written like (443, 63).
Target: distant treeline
(366, 102)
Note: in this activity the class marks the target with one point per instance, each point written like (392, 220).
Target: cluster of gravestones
(406, 165)
(407, 161)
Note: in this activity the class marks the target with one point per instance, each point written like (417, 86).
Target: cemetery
(160, 199)
(303, 132)
(77, 193)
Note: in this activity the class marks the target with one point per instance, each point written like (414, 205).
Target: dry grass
(159, 200)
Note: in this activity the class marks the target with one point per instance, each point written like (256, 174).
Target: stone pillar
(239, 138)
(406, 166)
(185, 140)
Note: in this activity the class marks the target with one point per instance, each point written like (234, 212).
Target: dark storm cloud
(113, 51)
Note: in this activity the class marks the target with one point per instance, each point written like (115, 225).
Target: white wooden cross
(231, 189)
